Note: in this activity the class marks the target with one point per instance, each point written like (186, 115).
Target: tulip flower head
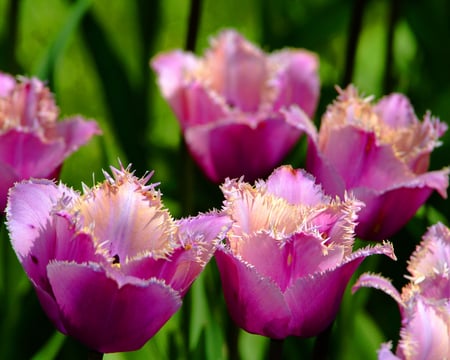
(228, 103)
(109, 266)
(423, 303)
(380, 153)
(288, 255)
(32, 142)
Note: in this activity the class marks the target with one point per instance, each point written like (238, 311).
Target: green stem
(187, 196)
(355, 30)
(275, 349)
(322, 344)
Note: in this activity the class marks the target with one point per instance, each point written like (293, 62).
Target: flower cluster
(424, 302)
(110, 265)
(32, 142)
(228, 103)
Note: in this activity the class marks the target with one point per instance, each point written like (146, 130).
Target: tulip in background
(380, 153)
(288, 255)
(110, 266)
(424, 302)
(228, 103)
(32, 142)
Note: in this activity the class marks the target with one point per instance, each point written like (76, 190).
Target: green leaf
(51, 348)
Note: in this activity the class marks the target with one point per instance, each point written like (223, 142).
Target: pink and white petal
(7, 83)
(29, 155)
(378, 282)
(425, 332)
(255, 303)
(172, 69)
(295, 186)
(314, 300)
(432, 256)
(385, 353)
(75, 131)
(29, 211)
(396, 111)
(297, 81)
(235, 149)
(107, 317)
(237, 69)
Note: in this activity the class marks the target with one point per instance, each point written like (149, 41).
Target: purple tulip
(423, 303)
(288, 255)
(228, 103)
(380, 153)
(110, 266)
(32, 142)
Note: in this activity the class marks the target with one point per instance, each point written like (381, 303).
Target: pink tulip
(288, 255)
(424, 302)
(109, 266)
(32, 142)
(228, 103)
(380, 153)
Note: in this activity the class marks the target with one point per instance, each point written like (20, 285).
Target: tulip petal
(228, 149)
(7, 83)
(105, 317)
(396, 111)
(385, 353)
(297, 187)
(32, 156)
(255, 303)
(378, 282)
(238, 70)
(297, 81)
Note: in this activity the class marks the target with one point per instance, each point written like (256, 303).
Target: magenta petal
(111, 318)
(7, 179)
(314, 301)
(380, 217)
(255, 303)
(229, 150)
(380, 283)
(75, 132)
(31, 156)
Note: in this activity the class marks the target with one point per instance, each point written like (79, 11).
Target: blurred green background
(94, 54)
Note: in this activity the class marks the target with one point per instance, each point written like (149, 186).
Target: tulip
(423, 303)
(380, 153)
(32, 142)
(109, 266)
(228, 103)
(288, 255)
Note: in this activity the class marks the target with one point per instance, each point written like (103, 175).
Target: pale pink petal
(378, 282)
(385, 353)
(297, 80)
(29, 211)
(7, 83)
(255, 303)
(238, 70)
(396, 111)
(425, 332)
(295, 186)
(106, 317)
